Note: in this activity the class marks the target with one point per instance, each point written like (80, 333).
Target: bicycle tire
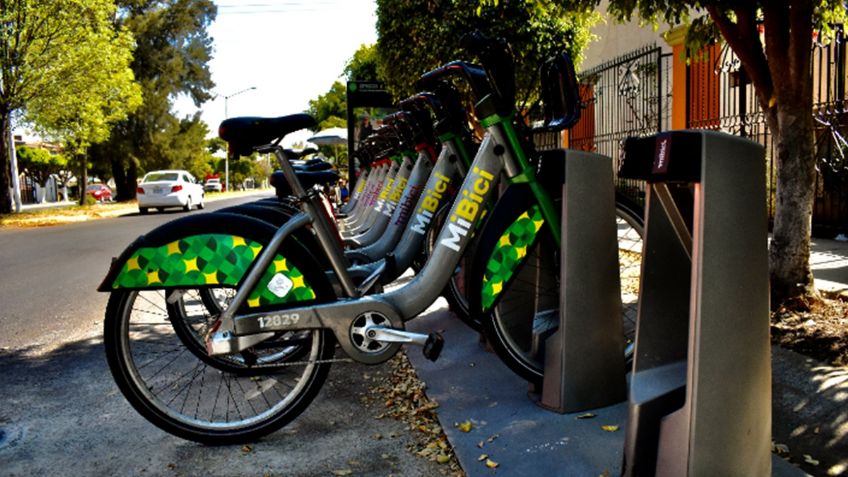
(212, 400)
(512, 323)
(180, 394)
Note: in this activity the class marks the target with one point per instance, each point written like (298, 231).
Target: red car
(100, 192)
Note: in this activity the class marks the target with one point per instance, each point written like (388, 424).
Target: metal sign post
(362, 94)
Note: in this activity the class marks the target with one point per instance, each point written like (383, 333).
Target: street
(61, 413)
(50, 274)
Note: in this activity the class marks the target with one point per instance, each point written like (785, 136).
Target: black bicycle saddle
(247, 133)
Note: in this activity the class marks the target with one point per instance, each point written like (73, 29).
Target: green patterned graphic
(212, 259)
(509, 251)
(299, 290)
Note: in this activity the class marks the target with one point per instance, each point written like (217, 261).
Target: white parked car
(172, 188)
(213, 185)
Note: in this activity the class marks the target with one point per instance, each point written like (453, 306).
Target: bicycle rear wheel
(193, 398)
(528, 309)
(194, 312)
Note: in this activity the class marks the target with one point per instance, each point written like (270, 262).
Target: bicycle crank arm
(391, 335)
(432, 343)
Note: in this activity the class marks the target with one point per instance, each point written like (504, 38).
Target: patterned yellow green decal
(281, 283)
(213, 259)
(509, 251)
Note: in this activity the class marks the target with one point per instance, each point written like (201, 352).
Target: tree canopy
(173, 49)
(64, 66)
(417, 35)
(362, 66)
(773, 41)
(39, 163)
(330, 109)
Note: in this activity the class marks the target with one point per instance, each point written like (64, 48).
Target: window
(160, 176)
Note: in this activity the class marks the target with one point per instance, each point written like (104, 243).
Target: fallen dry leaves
(403, 397)
(464, 426)
(819, 330)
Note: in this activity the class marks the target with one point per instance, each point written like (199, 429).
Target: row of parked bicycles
(222, 327)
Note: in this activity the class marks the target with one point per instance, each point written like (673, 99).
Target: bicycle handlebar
(496, 58)
(420, 120)
(560, 93)
(475, 75)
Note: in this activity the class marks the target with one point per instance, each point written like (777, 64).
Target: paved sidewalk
(809, 413)
(829, 261)
(47, 205)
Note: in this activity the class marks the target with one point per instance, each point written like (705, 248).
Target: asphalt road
(61, 413)
(49, 274)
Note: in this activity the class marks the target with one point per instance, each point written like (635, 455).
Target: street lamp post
(226, 115)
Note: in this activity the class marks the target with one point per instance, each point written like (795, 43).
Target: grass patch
(66, 214)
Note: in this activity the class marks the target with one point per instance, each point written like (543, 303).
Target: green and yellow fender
(514, 226)
(218, 250)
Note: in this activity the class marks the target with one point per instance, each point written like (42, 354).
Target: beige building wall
(616, 39)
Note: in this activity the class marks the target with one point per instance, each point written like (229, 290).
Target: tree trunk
(120, 177)
(132, 179)
(5, 193)
(789, 253)
(126, 180)
(82, 181)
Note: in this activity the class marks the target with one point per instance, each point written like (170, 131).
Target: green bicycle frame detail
(212, 259)
(509, 252)
(512, 245)
(527, 175)
(458, 145)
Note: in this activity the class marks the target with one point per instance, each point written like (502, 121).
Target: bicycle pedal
(433, 347)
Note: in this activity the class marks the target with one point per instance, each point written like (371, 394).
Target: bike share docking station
(584, 357)
(700, 391)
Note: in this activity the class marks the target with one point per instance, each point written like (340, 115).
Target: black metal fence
(631, 96)
(722, 83)
(627, 96)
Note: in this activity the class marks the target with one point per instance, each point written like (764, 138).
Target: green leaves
(172, 51)
(65, 65)
(363, 65)
(39, 163)
(417, 35)
(330, 109)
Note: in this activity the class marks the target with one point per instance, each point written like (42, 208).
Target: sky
(291, 51)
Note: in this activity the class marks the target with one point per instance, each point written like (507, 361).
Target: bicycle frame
(376, 180)
(417, 219)
(380, 192)
(499, 152)
(386, 203)
(397, 212)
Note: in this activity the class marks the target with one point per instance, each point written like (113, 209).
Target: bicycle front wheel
(193, 398)
(527, 311)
